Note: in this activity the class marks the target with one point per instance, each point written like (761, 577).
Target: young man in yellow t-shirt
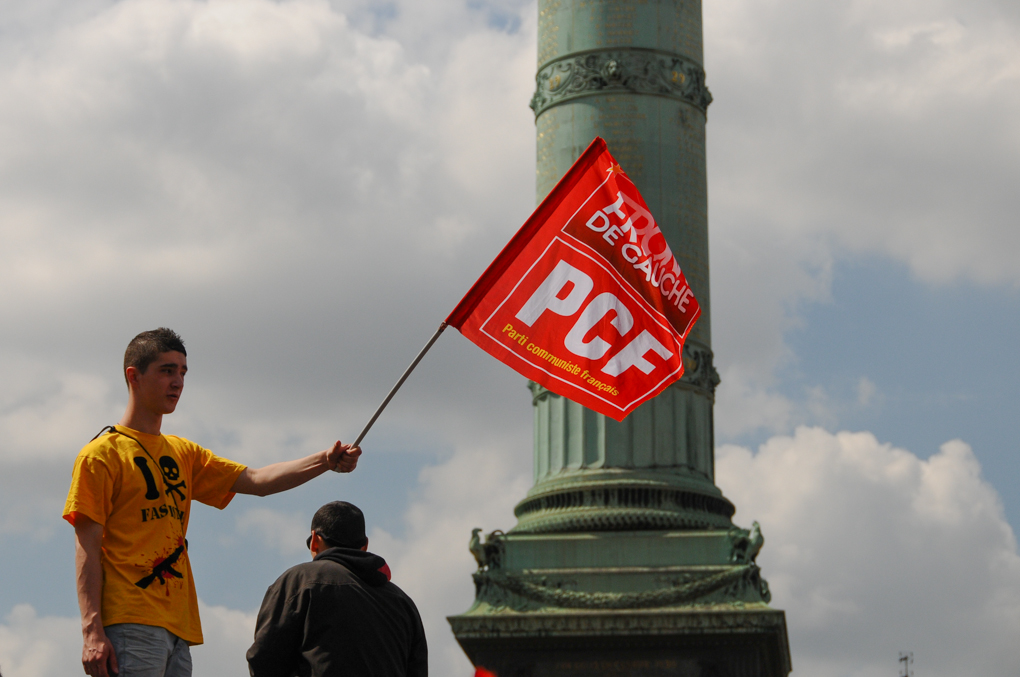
(130, 502)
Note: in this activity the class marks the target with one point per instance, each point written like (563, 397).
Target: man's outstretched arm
(278, 477)
(97, 655)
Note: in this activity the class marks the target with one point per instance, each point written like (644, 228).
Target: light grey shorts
(148, 651)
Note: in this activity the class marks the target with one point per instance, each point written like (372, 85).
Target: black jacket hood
(370, 568)
(338, 618)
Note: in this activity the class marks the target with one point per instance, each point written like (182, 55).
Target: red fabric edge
(523, 236)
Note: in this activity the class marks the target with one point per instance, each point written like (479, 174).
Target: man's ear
(365, 547)
(131, 375)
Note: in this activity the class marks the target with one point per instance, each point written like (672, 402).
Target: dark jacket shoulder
(338, 615)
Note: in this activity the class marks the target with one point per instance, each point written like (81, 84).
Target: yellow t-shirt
(141, 494)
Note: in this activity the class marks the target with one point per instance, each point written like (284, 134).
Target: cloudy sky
(304, 189)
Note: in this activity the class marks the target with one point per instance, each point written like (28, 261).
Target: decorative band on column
(606, 71)
(699, 374)
(621, 506)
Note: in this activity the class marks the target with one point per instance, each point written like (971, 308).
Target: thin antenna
(907, 659)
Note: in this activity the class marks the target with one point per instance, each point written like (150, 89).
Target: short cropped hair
(340, 524)
(147, 346)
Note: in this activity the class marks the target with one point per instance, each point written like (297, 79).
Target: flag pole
(399, 383)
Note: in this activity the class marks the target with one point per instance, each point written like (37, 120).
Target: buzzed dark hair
(147, 346)
(340, 524)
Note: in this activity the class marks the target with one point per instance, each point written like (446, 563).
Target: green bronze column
(630, 72)
(624, 559)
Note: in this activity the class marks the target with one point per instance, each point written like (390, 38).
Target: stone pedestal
(636, 604)
(699, 642)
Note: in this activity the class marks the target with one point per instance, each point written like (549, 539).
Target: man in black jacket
(338, 615)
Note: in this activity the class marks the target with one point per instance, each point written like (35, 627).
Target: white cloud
(871, 550)
(50, 646)
(744, 404)
(899, 123)
(476, 487)
(34, 646)
(160, 116)
(267, 177)
(32, 498)
(839, 130)
(277, 530)
(228, 634)
(479, 111)
(867, 391)
(44, 413)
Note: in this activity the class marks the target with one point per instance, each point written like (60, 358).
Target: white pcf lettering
(633, 355)
(600, 306)
(577, 285)
(547, 296)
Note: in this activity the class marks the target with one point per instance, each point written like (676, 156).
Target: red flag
(586, 299)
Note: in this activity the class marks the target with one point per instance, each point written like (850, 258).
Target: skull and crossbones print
(172, 473)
